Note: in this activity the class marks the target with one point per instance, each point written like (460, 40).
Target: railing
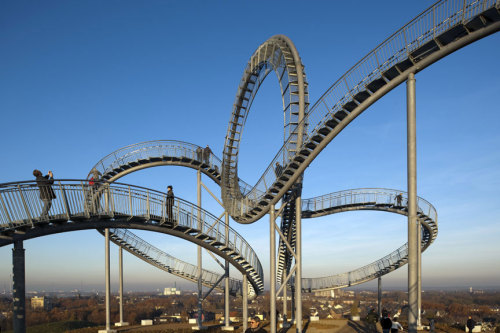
(20, 205)
(360, 275)
(438, 18)
(151, 149)
(377, 196)
(168, 263)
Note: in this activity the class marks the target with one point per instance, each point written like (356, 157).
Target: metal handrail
(144, 250)
(364, 195)
(22, 208)
(376, 198)
(158, 148)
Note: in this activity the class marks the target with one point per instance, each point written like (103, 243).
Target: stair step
(341, 115)
(424, 50)
(452, 34)
(404, 65)
(391, 73)
(349, 106)
(376, 85)
(361, 96)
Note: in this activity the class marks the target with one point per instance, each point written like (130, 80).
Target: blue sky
(79, 80)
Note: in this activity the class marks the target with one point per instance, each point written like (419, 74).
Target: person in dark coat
(278, 170)
(471, 324)
(386, 322)
(206, 154)
(170, 202)
(255, 326)
(46, 192)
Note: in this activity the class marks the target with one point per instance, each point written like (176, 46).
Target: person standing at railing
(206, 154)
(399, 200)
(170, 203)
(278, 169)
(199, 154)
(46, 192)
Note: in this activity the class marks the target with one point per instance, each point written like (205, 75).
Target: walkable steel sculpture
(445, 27)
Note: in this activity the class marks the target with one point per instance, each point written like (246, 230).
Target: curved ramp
(79, 206)
(369, 199)
(440, 30)
(156, 257)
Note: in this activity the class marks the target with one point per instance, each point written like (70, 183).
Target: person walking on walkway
(386, 322)
(255, 326)
(471, 324)
(46, 192)
(206, 154)
(396, 326)
(278, 169)
(170, 203)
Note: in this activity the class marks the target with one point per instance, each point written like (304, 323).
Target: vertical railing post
(412, 205)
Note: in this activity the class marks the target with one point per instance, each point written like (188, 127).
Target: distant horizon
(81, 79)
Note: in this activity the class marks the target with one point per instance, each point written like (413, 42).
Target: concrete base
(107, 331)
(227, 328)
(123, 323)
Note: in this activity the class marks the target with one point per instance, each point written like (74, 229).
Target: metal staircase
(120, 206)
(437, 32)
(156, 257)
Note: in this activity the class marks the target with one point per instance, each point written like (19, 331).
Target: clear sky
(80, 79)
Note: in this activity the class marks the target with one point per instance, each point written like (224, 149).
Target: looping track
(437, 32)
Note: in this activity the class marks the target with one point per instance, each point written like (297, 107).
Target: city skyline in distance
(101, 80)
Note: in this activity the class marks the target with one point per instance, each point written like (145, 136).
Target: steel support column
(19, 287)
(200, 286)
(120, 278)
(412, 205)
(108, 280)
(226, 281)
(244, 289)
(285, 295)
(298, 261)
(120, 268)
(419, 266)
(272, 269)
(379, 298)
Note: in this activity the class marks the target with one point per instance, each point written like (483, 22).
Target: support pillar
(298, 252)
(244, 289)
(19, 287)
(200, 286)
(419, 256)
(379, 299)
(272, 269)
(108, 284)
(285, 309)
(412, 205)
(120, 276)
(227, 326)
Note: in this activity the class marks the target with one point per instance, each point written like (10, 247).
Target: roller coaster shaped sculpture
(445, 27)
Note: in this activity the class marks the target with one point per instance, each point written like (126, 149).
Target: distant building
(171, 291)
(41, 303)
